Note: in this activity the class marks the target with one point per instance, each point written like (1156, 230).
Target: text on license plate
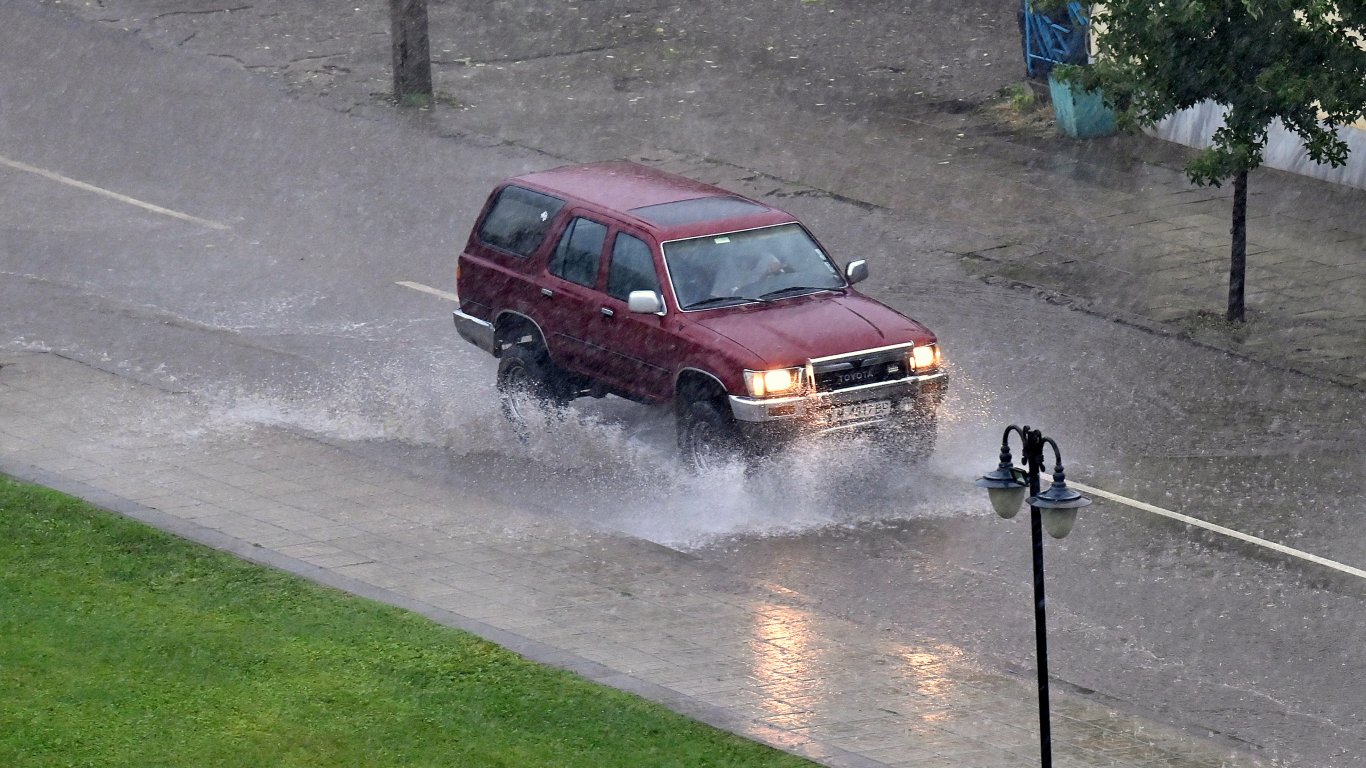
(868, 410)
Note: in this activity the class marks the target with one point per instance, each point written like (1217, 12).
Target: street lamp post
(1054, 510)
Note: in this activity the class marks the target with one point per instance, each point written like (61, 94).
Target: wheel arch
(694, 383)
(511, 328)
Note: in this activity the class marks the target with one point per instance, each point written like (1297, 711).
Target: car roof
(670, 205)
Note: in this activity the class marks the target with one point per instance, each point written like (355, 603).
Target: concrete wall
(1195, 127)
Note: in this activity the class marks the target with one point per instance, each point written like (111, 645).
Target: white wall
(1194, 127)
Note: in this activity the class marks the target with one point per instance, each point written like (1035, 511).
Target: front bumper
(912, 397)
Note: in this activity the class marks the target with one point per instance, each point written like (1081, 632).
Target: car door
(641, 350)
(570, 302)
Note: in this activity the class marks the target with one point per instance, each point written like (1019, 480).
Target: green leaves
(1297, 61)
(1265, 60)
(1230, 154)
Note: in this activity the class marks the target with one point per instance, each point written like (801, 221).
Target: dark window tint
(518, 220)
(576, 257)
(632, 268)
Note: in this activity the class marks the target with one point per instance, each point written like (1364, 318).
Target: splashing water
(608, 464)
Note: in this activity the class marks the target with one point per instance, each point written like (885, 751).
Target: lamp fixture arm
(1032, 455)
(1058, 474)
(1005, 436)
(1007, 460)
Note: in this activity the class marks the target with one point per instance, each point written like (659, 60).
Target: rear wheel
(527, 388)
(707, 435)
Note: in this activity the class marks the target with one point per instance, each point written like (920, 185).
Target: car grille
(859, 370)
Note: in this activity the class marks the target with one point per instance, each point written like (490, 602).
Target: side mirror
(856, 271)
(645, 302)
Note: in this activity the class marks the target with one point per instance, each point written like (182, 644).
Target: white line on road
(57, 177)
(1301, 554)
(1136, 504)
(428, 289)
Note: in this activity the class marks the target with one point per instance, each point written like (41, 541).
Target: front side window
(632, 268)
(518, 220)
(577, 256)
(754, 265)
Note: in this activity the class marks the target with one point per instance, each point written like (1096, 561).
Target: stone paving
(623, 612)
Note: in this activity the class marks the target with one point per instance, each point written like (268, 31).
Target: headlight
(924, 359)
(780, 381)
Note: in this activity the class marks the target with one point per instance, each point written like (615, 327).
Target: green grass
(123, 646)
(1020, 97)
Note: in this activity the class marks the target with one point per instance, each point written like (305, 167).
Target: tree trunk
(412, 54)
(1237, 271)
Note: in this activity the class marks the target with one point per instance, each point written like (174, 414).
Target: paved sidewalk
(619, 611)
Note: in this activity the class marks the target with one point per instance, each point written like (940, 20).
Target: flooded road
(292, 315)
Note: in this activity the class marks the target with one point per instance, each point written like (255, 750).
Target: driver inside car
(763, 265)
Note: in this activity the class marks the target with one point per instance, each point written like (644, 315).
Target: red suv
(616, 278)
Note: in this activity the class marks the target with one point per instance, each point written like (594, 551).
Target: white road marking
(1301, 554)
(428, 289)
(1291, 551)
(57, 177)
(1136, 504)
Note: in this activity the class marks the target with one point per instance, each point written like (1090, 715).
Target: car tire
(707, 435)
(526, 385)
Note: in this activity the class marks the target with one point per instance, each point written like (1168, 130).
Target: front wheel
(527, 388)
(707, 435)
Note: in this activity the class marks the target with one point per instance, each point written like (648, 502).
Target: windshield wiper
(713, 300)
(791, 290)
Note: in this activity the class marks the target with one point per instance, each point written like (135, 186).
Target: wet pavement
(739, 653)
(807, 100)
(870, 102)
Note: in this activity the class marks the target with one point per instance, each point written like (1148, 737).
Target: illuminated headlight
(780, 381)
(924, 359)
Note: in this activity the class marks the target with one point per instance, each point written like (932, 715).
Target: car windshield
(753, 265)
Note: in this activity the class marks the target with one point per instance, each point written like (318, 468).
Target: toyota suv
(616, 278)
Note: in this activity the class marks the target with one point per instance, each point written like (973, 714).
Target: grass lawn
(123, 646)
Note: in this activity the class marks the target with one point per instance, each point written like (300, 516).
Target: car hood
(825, 324)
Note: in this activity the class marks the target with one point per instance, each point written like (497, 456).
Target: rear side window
(518, 220)
(577, 256)
(632, 268)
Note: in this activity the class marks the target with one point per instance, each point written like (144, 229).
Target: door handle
(607, 312)
(546, 292)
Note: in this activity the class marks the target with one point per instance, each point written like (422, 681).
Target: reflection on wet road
(788, 663)
(798, 664)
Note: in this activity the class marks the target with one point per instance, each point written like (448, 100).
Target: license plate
(868, 410)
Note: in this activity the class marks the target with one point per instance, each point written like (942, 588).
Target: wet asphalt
(287, 327)
(871, 102)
